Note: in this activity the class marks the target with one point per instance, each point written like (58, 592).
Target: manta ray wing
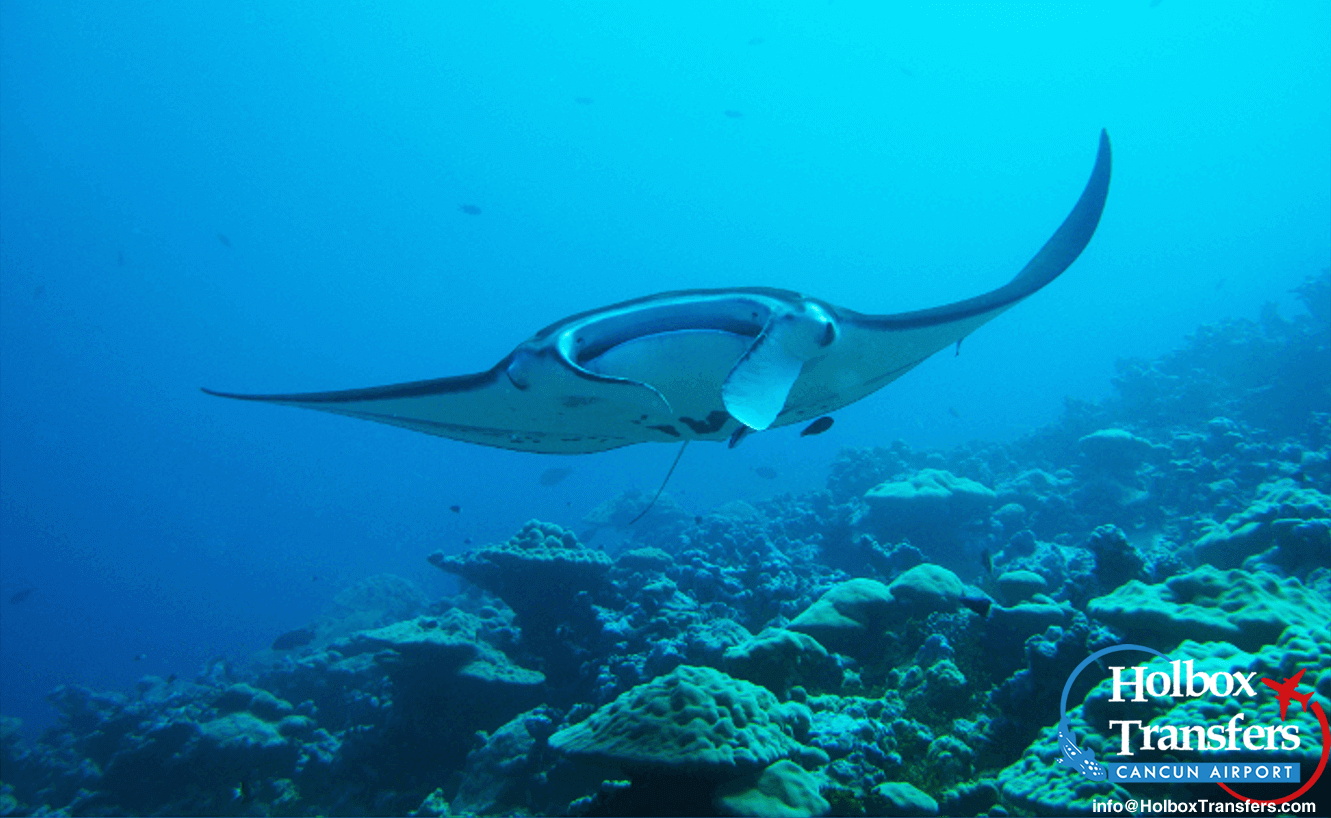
(555, 412)
(695, 364)
(875, 350)
(645, 370)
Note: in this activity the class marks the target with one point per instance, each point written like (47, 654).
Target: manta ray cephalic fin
(755, 391)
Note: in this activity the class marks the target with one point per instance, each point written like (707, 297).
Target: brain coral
(1039, 783)
(850, 615)
(938, 512)
(442, 649)
(927, 588)
(1287, 515)
(541, 566)
(905, 799)
(693, 720)
(929, 498)
(783, 790)
(1115, 450)
(778, 658)
(1247, 609)
(1019, 586)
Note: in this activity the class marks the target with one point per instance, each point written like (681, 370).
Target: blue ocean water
(275, 198)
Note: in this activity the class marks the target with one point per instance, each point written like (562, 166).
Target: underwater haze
(292, 197)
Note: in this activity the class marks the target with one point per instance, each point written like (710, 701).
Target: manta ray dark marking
(695, 364)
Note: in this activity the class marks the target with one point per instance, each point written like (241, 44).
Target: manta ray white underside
(695, 364)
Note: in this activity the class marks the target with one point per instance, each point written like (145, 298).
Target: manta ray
(705, 364)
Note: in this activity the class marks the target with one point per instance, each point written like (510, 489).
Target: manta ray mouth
(588, 340)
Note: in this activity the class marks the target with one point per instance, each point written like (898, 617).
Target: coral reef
(778, 659)
(937, 511)
(828, 652)
(1244, 608)
(782, 790)
(692, 720)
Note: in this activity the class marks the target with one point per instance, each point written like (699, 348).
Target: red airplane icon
(1285, 692)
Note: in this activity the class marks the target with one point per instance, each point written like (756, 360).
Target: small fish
(242, 792)
(979, 604)
(987, 560)
(952, 410)
(39, 291)
(314, 579)
(226, 242)
(819, 426)
(455, 509)
(756, 41)
(139, 657)
(470, 209)
(555, 476)
(583, 100)
(466, 541)
(733, 114)
(171, 679)
(697, 519)
(120, 258)
(765, 472)
(293, 639)
(21, 596)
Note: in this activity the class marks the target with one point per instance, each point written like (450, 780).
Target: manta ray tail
(657, 495)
